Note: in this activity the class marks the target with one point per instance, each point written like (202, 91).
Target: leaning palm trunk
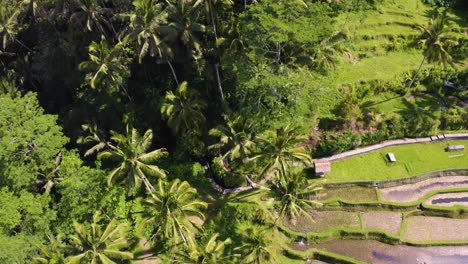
(218, 78)
(173, 73)
(416, 74)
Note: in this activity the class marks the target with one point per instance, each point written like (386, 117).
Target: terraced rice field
(412, 192)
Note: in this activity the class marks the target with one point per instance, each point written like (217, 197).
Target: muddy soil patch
(412, 192)
(428, 228)
(351, 194)
(375, 252)
(387, 221)
(323, 221)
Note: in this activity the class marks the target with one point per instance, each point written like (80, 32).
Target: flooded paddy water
(448, 199)
(414, 191)
(372, 251)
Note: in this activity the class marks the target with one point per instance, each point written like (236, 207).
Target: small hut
(321, 167)
(455, 147)
(391, 157)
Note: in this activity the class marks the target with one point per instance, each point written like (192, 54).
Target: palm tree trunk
(416, 74)
(212, 19)
(216, 66)
(173, 73)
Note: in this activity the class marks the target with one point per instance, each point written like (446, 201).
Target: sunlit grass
(412, 160)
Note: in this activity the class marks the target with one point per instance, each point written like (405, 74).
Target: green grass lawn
(412, 160)
(390, 103)
(381, 67)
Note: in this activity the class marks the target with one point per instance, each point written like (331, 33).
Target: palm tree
(237, 135)
(98, 244)
(51, 176)
(211, 251)
(135, 163)
(174, 211)
(149, 29)
(279, 151)
(296, 196)
(8, 23)
(184, 110)
(256, 247)
(90, 15)
(435, 39)
(183, 18)
(328, 48)
(107, 65)
(94, 137)
(53, 252)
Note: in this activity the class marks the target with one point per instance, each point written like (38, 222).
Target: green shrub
(225, 178)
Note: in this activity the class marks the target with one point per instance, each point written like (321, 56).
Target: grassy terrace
(412, 160)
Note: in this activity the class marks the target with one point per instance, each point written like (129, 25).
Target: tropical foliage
(136, 164)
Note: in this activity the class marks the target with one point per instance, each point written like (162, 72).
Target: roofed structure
(321, 167)
(391, 157)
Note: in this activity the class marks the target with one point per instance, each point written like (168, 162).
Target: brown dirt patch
(387, 221)
(323, 221)
(426, 228)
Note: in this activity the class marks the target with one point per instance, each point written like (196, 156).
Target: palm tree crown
(279, 150)
(296, 196)
(183, 110)
(98, 244)
(135, 163)
(107, 65)
(237, 135)
(435, 40)
(211, 251)
(256, 247)
(174, 210)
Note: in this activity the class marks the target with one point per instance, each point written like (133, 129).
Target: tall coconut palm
(183, 110)
(107, 66)
(296, 197)
(53, 252)
(174, 211)
(136, 164)
(99, 244)
(237, 135)
(257, 247)
(435, 39)
(90, 15)
(279, 151)
(211, 251)
(183, 17)
(329, 48)
(95, 138)
(8, 23)
(51, 176)
(149, 30)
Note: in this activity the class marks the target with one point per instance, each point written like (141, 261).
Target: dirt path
(415, 191)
